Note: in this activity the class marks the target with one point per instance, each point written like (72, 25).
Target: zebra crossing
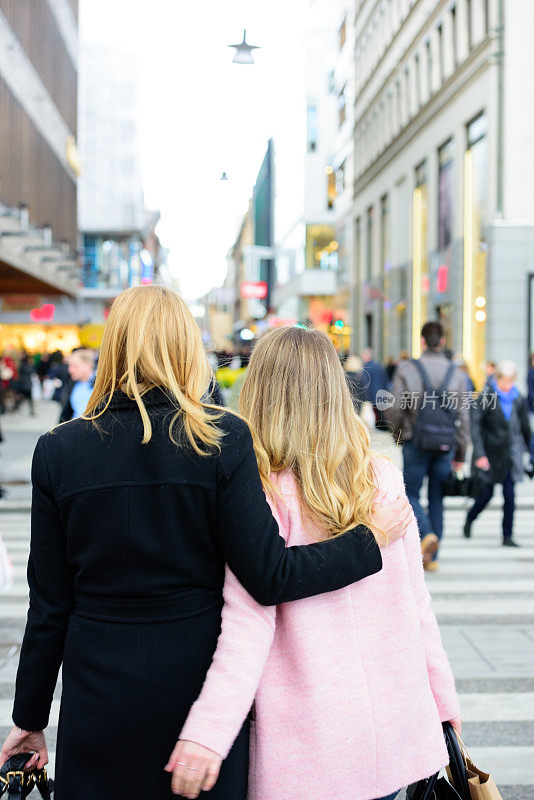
(483, 597)
(484, 600)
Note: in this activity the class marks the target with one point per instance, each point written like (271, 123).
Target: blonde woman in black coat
(136, 508)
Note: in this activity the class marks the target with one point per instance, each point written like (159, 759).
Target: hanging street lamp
(243, 51)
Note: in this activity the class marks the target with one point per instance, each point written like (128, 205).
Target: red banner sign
(253, 290)
(43, 314)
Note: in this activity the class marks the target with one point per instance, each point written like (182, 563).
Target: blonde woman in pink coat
(350, 688)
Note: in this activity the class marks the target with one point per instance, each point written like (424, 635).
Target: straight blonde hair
(296, 400)
(151, 340)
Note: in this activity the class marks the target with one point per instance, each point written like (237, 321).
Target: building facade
(120, 246)
(443, 216)
(39, 165)
(305, 213)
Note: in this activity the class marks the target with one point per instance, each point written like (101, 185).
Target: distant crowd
(429, 405)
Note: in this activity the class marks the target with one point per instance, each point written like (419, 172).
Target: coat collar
(153, 397)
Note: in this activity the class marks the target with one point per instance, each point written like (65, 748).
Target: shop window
(407, 97)
(340, 179)
(421, 174)
(469, 15)
(331, 187)
(418, 96)
(312, 127)
(321, 247)
(441, 65)
(477, 143)
(370, 243)
(454, 35)
(429, 68)
(445, 194)
(343, 32)
(342, 107)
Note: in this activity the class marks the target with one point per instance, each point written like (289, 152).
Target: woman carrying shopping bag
(349, 689)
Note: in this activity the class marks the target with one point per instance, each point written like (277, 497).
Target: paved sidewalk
(483, 596)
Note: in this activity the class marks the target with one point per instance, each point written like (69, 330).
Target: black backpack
(435, 425)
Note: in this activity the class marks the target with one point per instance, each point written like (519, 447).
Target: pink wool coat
(350, 687)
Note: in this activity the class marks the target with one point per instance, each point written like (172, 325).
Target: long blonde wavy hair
(152, 340)
(296, 400)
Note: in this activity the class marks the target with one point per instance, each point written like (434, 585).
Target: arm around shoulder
(256, 552)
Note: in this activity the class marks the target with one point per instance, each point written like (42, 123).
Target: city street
(483, 597)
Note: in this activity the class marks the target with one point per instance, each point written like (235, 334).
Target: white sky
(200, 114)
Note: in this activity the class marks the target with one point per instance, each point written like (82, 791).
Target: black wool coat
(128, 550)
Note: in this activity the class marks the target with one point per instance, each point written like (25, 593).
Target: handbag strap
(424, 789)
(456, 762)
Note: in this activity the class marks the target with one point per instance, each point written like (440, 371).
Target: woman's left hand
(391, 521)
(21, 741)
(194, 769)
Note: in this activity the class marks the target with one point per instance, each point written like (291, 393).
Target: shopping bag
(481, 784)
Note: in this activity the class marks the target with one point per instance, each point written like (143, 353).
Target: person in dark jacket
(500, 432)
(24, 383)
(530, 400)
(77, 390)
(137, 506)
(357, 381)
(377, 380)
(409, 396)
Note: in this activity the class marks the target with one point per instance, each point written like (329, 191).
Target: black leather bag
(17, 784)
(435, 788)
(456, 486)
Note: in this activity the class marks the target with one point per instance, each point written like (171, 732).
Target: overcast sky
(201, 114)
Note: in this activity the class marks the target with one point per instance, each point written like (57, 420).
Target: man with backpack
(430, 417)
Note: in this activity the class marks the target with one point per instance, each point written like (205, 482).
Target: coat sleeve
(256, 553)
(51, 588)
(439, 671)
(247, 631)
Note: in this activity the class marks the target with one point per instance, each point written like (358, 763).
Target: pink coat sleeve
(439, 671)
(246, 636)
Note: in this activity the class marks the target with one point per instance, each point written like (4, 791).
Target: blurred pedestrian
(80, 387)
(391, 366)
(469, 381)
(8, 381)
(25, 383)
(43, 366)
(2, 490)
(431, 418)
(530, 401)
(356, 380)
(377, 381)
(491, 366)
(500, 431)
(59, 374)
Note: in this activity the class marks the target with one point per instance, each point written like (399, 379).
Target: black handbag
(456, 486)
(19, 784)
(435, 788)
